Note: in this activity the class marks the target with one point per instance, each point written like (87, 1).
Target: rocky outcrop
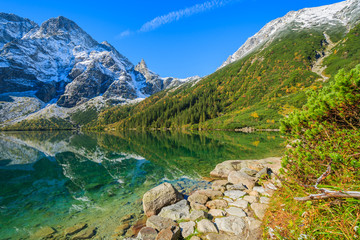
(161, 196)
(233, 212)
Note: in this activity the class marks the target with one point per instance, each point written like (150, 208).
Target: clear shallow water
(58, 179)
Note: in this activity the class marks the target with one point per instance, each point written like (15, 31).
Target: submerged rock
(161, 196)
(44, 233)
(85, 233)
(75, 229)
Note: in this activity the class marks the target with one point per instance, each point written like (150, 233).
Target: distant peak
(15, 18)
(53, 25)
(142, 64)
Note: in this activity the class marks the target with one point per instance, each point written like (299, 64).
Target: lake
(58, 179)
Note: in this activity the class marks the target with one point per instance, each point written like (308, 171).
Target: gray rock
(206, 226)
(210, 193)
(220, 236)
(198, 206)
(197, 214)
(159, 223)
(234, 194)
(240, 203)
(234, 211)
(217, 204)
(177, 211)
(170, 233)
(259, 209)
(223, 169)
(147, 233)
(262, 173)
(265, 200)
(250, 172)
(238, 177)
(198, 198)
(219, 185)
(187, 228)
(255, 229)
(251, 199)
(232, 224)
(240, 187)
(259, 189)
(161, 196)
(217, 213)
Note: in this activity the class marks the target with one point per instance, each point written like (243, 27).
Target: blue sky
(178, 38)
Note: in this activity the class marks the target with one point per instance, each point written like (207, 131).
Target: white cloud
(124, 34)
(186, 12)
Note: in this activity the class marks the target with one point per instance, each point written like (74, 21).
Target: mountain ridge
(341, 13)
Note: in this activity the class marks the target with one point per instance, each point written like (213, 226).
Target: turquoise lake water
(58, 179)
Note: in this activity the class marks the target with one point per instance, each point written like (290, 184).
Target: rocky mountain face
(60, 63)
(343, 15)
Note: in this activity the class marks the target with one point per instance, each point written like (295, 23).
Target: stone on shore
(187, 228)
(219, 185)
(161, 196)
(198, 198)
(217, 213)
(170, 233)
(259, 209)
(198, 206)
(240, 187)
(238, 177)
(232, 224)
(197, 214)
(206, 226)
(147, 233)
(75, 229)
(159, 223)
(223, 169)
(240, 203)
(210, 193)
(251, 199)
(249, 172)
(220, 236)
(234, 211)
(177, 211)
(234, 194)
(217, 204)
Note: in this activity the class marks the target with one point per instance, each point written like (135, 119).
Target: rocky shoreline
(232, 209)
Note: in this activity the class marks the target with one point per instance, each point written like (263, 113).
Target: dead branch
(330, 194)
(326, 193)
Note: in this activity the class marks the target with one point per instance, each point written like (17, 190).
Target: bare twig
(330, 194)
(326, 193)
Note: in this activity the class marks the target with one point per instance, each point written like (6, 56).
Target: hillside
(256, 91)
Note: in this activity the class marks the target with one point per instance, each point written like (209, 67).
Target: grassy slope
(255, 91)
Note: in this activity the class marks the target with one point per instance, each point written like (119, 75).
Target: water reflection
(61, 178)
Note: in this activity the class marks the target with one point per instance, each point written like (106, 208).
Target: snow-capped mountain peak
(342, 14)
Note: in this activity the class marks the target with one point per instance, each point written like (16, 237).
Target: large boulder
(238, 177)
(223, 169)
(161, 196)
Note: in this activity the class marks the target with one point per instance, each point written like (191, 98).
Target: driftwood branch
(326, 193)
(329, 194)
